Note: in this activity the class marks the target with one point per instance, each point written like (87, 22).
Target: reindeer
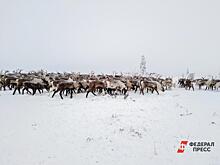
(96, 85)
(36, 85)
(181, 83)
(150, 85)
(201, 82)
(84, 85)
(217, 85)
(29, 83)
(19, 84)
(1, 85)
(135, 85)
(167, 83)
(69, 86)
(116, 85)
(188, 84)
(210, 84)
(129, 85)
(8, 81)
(1, 82)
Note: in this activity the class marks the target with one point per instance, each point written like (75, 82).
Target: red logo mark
(182, 146)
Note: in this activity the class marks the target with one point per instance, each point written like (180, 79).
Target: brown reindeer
(8, 81)
(35, 86)
(150, 85)
(19, 84)
(68, 86)
(96, 85)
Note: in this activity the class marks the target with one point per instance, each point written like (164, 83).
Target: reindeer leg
(71, 94)
(61, 94)
(87, 93)
(152, 90)
(23, 90)
(108, 91)
(94, 93)
(19, 90)
(135, 89)
(14, 90)
(100, 90)
(54, 93)
(122, 91)
(125, 91)
(28, 92)
(34, 91)
(147, 90)
(111, 92)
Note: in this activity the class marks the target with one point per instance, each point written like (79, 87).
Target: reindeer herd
(71, 83)
(207, 84)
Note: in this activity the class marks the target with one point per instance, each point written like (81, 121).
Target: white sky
(101, 35)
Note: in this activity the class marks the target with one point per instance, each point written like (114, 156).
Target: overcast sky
(103, 36)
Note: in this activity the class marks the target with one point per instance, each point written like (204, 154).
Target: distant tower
(187, 71)
(143, 65)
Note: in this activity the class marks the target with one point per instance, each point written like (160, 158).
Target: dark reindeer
(66, 86)
(96, 85)
(188, 84)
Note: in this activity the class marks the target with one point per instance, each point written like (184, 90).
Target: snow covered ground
(39, 130)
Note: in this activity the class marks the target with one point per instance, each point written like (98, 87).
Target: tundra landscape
(109, 82)
(56, 118)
